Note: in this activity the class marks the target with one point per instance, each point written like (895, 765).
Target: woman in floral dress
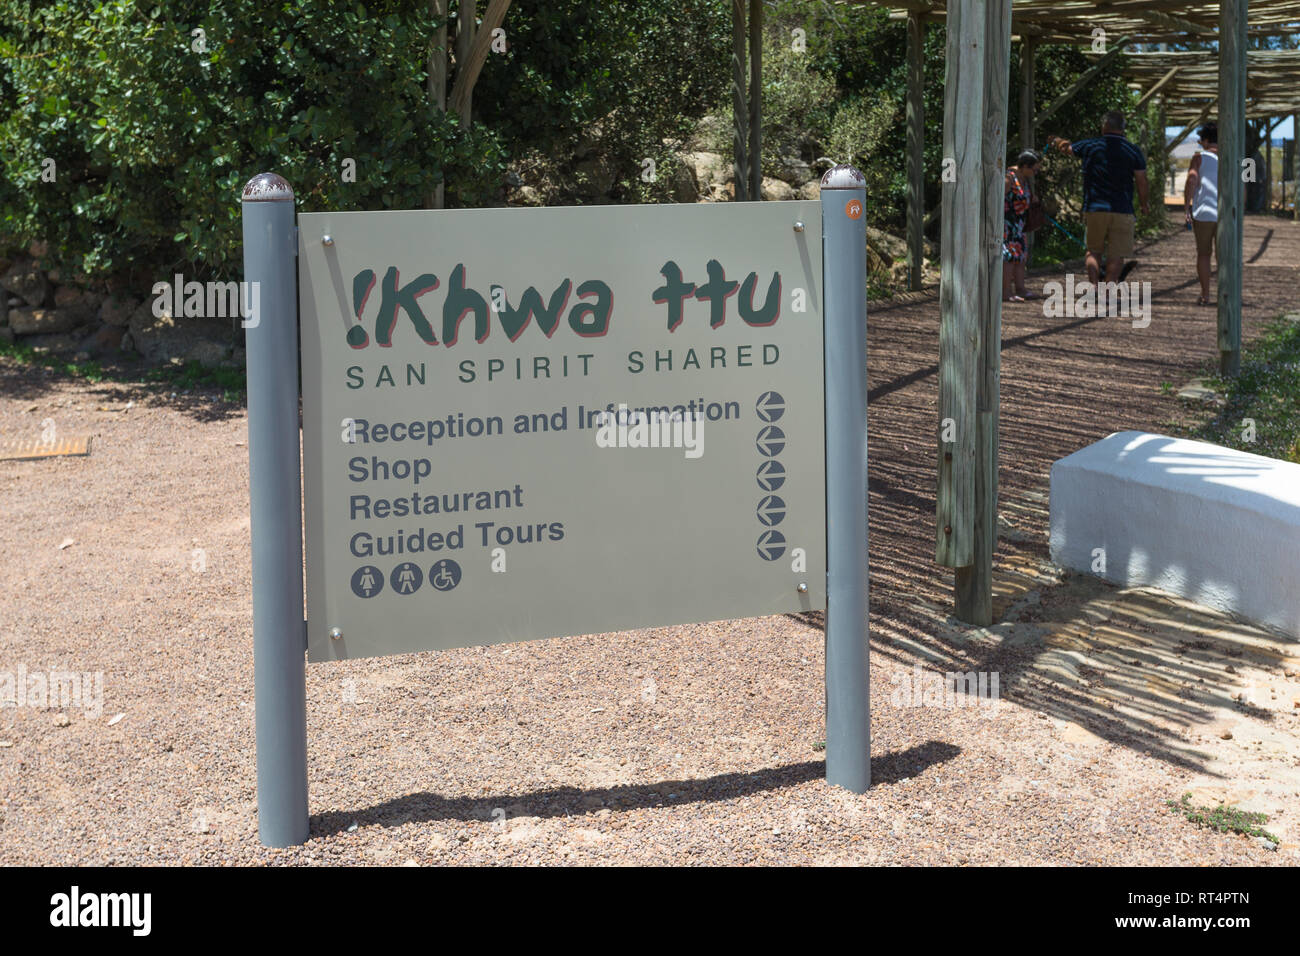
(1020, 183)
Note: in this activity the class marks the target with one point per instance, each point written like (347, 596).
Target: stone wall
(82, 319)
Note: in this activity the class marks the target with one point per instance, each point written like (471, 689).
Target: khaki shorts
(1205, 233)
(1109, 232)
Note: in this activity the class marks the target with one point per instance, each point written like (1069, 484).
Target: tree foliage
(154, 127)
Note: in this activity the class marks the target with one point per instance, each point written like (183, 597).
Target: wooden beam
(1159, 84)
(467, 74)
(1175, 23)
(915, 150)
(438, 81)
(961, 266)
(739, 108)
(1084, 79)
(1187, 130)
(974, 584)
(1232, 145)
(755, 99)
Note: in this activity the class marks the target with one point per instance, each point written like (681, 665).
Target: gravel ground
(685, 745)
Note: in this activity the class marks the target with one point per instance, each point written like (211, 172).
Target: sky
(1284, 130)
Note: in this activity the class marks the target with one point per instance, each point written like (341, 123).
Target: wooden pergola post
(974, 584)
(915, 149)
(1028, 133)
(1268, 163)
(1295, 169)
(1232, 141)
(959, 274)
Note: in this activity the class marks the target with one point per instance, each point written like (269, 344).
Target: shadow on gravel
(574, 801)
(25, 382)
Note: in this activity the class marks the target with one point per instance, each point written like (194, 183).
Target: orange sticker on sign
(853, 209)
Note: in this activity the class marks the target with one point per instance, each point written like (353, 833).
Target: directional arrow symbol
(771, 545)
(770, 406)
(771, 475)
(771, 510)
(771, 441)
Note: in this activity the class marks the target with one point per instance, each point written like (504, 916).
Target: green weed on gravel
(1223, 818)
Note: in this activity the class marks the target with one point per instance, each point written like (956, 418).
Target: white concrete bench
(1216, 526)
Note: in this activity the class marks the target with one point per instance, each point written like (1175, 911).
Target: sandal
(1014, 298)
(1028, 296)
(1202, 300)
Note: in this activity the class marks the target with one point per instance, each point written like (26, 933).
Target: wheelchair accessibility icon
(445, 575)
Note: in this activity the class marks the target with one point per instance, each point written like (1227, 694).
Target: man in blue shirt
(1111, 166)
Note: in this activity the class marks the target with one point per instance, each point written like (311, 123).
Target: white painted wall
(1216, 526)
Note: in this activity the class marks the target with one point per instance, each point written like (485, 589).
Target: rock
(1266, 843)
(595, 176)
(890, 248)
(776, 191)
(29, 321)
(27, 282)
(529, 196)
(106, 338)
(1197, 391)
(684, 188)
(710, 129)
(812, 190)
(59, 343)
(82, 304)
(794, 171)
(165, 338)
(709, 169)
(116, 309)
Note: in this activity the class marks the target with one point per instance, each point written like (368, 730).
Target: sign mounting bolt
(327, 240)
(336, 634)
(798, 226)
(803, 588)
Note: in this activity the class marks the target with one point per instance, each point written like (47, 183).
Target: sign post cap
(268, 187)
(843, 176)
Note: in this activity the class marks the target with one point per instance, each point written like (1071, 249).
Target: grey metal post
(844, 285)
(279, 637)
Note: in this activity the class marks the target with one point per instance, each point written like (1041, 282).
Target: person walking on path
(1111, 167)
(1201, 203)
(1015, 209)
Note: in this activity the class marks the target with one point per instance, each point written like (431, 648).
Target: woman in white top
(1201, 202)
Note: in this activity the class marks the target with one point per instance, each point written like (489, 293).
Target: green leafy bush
(807, 117)
(608, 85)
(154, 127)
